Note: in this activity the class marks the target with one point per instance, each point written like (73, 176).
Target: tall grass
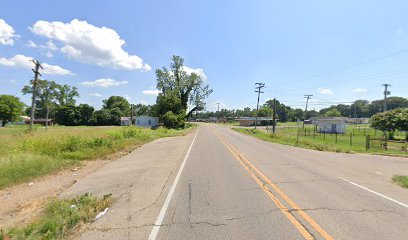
(60, 217)
(24, 156)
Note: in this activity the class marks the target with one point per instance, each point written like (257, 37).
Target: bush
(171, 120)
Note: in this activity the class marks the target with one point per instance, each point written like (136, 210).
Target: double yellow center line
(268, 186)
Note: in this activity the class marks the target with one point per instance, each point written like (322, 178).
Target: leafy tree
(119, 103)
(333, 113)
(85, 112)
(172, 120)
(263, 112)
(67, 115)
(187, 87)
(66, 94)
(47, 92)
(391, 121)
(102, 117)
(10, 108)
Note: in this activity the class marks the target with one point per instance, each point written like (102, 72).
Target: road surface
(219, 184)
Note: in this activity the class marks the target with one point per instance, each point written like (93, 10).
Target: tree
(169, 103)
(10, 108)
(67, 115)
(102, 117)
(85, 112)
(186, 86)
(66, 94)
(47, 92)
(333, 113)
(120, 103)
(391, 121)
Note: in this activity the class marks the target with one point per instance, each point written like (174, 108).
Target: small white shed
(125, 121)
(146, 121)
(331, 125)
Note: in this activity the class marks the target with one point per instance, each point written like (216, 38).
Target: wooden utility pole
(307, 96)
(386, 92)
(258, 87)
(37, 73)
(274, 115)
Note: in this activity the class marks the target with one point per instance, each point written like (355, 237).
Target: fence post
(367, 142)
(351, 139)
(305, 132)
(324, 136)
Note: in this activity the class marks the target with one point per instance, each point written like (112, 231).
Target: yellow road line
(250, 167)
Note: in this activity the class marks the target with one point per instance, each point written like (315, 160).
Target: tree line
(178, 89)
(358, 109)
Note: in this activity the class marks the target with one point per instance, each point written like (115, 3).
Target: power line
(258, 87)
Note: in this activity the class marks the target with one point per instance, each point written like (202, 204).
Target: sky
(338, 51)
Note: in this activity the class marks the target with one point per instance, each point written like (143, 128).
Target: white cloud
(7, 33)
(325, 91)
(30, 44)
(87, 43)
(360, 90)
(198, 71)
(94, 95)
(104, 82)
(49, 45)
(22, 61)
(151, 92)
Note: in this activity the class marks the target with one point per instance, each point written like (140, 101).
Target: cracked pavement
(216, 198)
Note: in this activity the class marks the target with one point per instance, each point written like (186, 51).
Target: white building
(125, 121)
(331, 125)
(146, 121)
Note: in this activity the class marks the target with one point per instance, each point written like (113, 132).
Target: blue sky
(339, 51)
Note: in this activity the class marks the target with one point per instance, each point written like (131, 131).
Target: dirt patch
(20, 203)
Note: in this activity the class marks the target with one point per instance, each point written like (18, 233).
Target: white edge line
(376, 193)
(160, 217)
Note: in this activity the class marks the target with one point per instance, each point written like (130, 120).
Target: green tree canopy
(10, 108)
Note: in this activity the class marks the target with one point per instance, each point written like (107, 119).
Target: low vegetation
(28, 155)
(401, 180)
(324, 142)
(60, 218)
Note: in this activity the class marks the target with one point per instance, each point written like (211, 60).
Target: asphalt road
(226, 185)
(236, 187)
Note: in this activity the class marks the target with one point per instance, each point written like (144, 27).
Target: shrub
(171, 120)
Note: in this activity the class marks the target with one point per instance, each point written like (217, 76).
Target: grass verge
(25, 156)
(319, 144)
(401, 180)
(60, 218)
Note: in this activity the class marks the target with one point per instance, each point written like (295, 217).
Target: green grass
(401, 180)
(25, 156)
(326, 142)
(61, 218)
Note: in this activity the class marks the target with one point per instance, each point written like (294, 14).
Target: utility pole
(34, 96)
(258, 87)
(218, 106)
(131, 113)
(386, 92)
(307, 96)
(274, 115)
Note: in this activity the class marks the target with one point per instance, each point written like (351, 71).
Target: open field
(354, 140)
(27, 155)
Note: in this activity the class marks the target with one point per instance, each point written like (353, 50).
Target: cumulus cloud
(87, 43)
(359, 90)
(151, 92)
(21, 61)
(198, 71)
(104, 82)
(325, 91)
(98, 95)
(30, 44)
(7, 33)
